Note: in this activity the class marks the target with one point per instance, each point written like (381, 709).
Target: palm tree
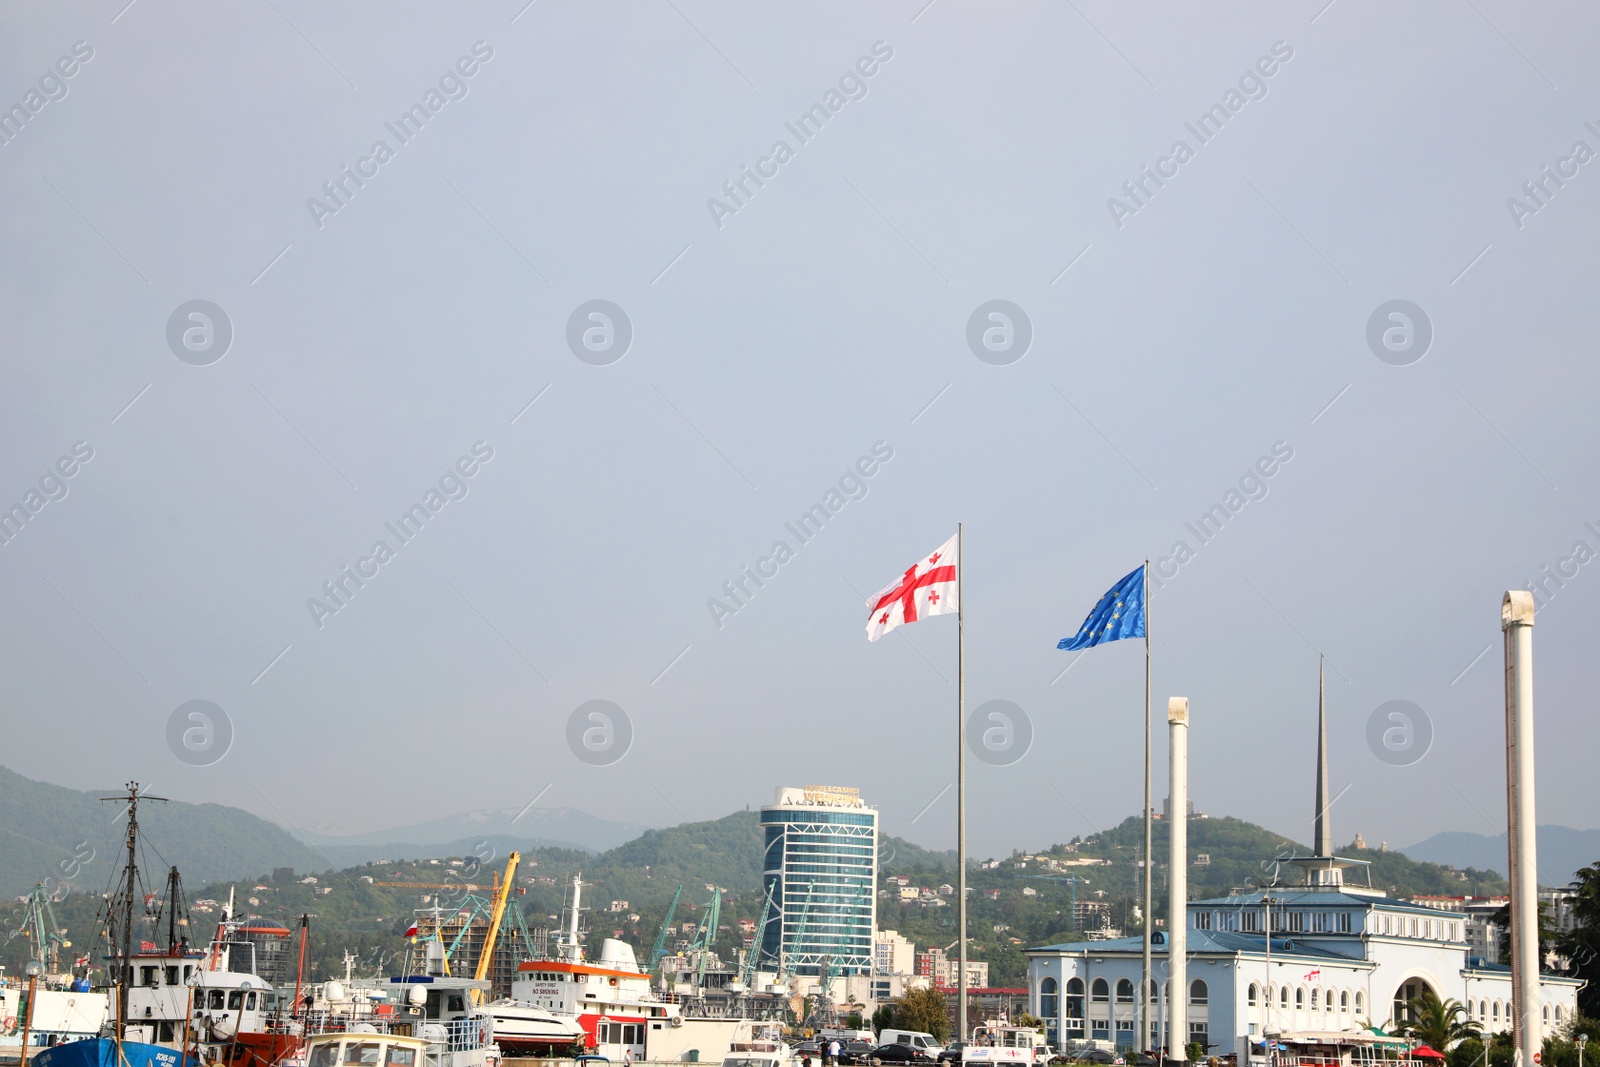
(1439, 1024)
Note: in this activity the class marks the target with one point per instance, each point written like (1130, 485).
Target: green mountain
(1019, 900)
(70, 839)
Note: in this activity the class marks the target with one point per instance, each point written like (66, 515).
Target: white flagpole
(1149, 868)
(961, 784)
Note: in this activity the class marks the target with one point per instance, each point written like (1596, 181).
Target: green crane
(40, 927)
(794, 941)
(707, 934)
(751, 957)
(661, 938)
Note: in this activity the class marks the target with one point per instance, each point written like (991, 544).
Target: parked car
(855, 1052)
(952, 1052)
(1096, 1055)
(812, 1047)
(898, 1053)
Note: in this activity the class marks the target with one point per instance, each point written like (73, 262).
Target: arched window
(1344, 1000)
(1483, 1010)
(1049, 998)
(1299, 997)
(1558, 1015)
(1074, 1000)
(1251, 994)
(1197, 992)
(1124, 991)
(1546, 1014)
(1314, 992)
(1358, 1002)
(1495, 1009)
(1100, 992)
(1283, 996)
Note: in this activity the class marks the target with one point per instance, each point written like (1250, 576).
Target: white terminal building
(1343, 957)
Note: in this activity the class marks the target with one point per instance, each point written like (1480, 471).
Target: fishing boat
(132, 1037)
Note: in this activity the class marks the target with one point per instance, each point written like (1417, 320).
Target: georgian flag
(928, 587)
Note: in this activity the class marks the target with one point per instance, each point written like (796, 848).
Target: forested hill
(52, 834)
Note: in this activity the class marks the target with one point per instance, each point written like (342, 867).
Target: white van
(829, 1034)
(917, 1039)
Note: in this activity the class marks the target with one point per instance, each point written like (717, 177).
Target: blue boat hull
(102, 1052)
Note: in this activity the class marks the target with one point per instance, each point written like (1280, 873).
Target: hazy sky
(1352, 154)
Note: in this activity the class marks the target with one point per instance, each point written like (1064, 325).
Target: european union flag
(1119, 614)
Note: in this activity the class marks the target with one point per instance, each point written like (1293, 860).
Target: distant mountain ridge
(1561, 851)
(554, 827)
(52, 834)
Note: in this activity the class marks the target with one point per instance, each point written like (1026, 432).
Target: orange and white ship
(610, 997)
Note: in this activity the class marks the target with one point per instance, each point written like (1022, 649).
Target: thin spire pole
(1149, 872)
(1322, 830)
(961, 786)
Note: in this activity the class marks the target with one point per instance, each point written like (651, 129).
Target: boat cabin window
(401, 1057)
(188, 971)
(235, 999)
(362, 1053)
(147, 975)
(217, 996)
(249, 1002)
(324, 1056)
(172, 974)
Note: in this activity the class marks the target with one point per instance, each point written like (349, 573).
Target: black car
(897, 1053)
(952, 1052)
(855, 1052)
(1096, 1055)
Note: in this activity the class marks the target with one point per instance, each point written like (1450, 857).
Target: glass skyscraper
(821, 870)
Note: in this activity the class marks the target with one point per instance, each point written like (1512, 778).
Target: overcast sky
(1180, 336)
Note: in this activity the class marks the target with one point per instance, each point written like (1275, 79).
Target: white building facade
(1342, 958)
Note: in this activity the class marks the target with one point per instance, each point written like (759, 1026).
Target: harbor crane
(753, 956)
(706, 936)
(661, 938)
(486, 954)
(43, 932)
(794, 941)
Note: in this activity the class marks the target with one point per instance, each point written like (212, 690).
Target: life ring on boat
(11, 1024)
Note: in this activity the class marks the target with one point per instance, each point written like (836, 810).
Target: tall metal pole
(961, 784)
(1178, 880)
(1516, 620)
(126, 977)
(1147, 989)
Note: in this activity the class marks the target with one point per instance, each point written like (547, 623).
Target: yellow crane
(486, 955)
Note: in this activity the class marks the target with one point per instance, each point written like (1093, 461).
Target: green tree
(1548, 938)
(923, 1009)
(1439, 1024)
(1581, 944)
(1467, 1053)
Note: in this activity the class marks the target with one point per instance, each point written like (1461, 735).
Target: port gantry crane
(661, 938)
(747, 973)
(486, 954)
(40, 928)
(706, 936)
(794, 941)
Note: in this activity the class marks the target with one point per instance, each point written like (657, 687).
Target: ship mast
(128, 891)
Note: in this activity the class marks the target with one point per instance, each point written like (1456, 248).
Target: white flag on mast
(928, 587)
